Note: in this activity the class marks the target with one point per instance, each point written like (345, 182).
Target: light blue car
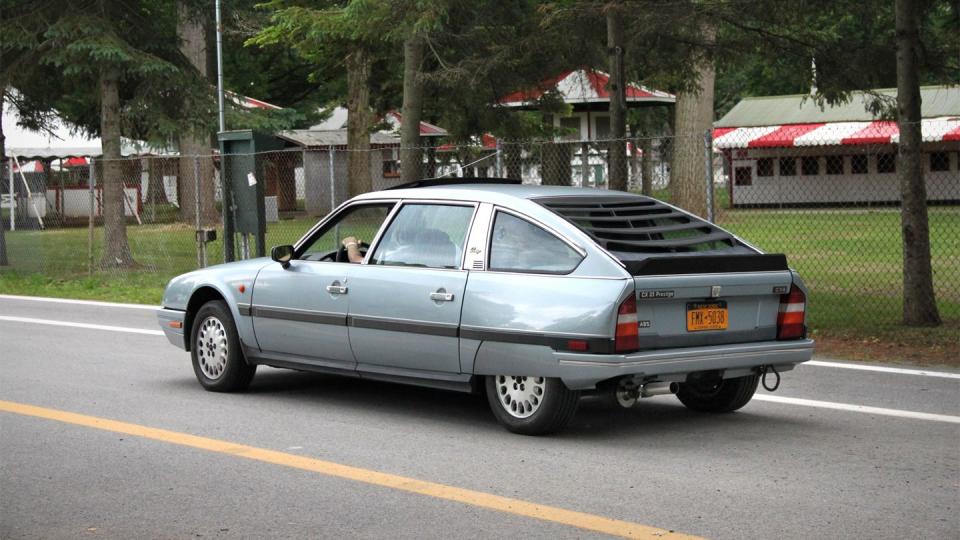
(534, 295)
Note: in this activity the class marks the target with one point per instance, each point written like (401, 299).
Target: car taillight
(627, 336)
(790, 318)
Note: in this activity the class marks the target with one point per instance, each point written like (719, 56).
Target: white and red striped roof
(946, 128)
(583, 86)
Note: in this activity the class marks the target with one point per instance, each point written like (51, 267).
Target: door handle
(336, 289)
(441, 296)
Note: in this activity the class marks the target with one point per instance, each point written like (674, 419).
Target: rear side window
(516, 245)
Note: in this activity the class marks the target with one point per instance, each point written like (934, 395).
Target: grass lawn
(850, 259)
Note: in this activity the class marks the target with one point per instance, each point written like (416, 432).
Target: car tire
(545, 406)
(218, 360)
(727, 395)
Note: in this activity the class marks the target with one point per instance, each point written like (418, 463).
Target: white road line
(858, 408)
(759, 397)
(83, 325)
(79, 302)
(883, 369)
(817, 363)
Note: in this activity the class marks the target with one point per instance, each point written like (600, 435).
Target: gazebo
(585, 91)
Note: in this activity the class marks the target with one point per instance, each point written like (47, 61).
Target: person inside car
(352, 245)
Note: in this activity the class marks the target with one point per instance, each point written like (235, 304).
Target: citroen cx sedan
(532, 295)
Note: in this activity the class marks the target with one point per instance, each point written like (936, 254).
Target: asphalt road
(774, 469)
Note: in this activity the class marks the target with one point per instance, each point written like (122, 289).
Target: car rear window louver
(639, 225)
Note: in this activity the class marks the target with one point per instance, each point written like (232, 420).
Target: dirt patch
(892, 351)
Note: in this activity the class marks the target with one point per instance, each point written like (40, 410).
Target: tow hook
(629, 391)
(764, 371)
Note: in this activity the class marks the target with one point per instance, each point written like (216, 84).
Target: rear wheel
(531, 405)
(215, 350)
(726, 395)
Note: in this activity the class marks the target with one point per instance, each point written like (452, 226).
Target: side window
(360, 221)
(427, 235)
(517, 245)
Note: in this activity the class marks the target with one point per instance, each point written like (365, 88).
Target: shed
(788, 150)
(325, 163)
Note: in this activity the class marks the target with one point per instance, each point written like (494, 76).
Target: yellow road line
(480, 499)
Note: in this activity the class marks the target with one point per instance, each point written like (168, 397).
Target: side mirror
(282, 254)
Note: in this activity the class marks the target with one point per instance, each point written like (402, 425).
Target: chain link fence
(832, 206)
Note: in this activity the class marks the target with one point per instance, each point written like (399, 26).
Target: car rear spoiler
(707, 264)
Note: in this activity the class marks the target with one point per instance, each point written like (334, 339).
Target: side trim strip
(594, 344)
(432, 329)
(244, 310)
(318, 317)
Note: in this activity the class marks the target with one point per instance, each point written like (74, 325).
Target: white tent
(62, 140)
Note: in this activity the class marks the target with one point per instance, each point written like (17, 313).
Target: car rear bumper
(582, 371)
(171, 321)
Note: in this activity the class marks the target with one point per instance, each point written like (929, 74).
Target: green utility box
(242, 173)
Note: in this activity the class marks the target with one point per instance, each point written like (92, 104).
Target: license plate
(707, 316)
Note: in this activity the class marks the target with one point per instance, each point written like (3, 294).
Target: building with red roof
(789, 150)
(586, 92)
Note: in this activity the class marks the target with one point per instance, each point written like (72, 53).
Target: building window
(602, 127)
(788, 166)
(810, 166)
(391, 169)
(570, 128)
(743, 176)
(765, 167)
(834, 165)
(939, 161)
(887, 163)
(858, 164)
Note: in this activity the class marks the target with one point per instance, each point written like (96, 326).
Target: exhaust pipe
(628, 392)
(658, 389)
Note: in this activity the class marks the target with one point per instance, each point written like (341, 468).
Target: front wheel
(531, 405)
(217, 359)
(722, 396)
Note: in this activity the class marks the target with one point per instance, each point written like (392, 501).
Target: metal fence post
(333, 185)
(201, 246)
(13, 198)
(708, 162)
(584, 164)
(92, 195)
(499, 160)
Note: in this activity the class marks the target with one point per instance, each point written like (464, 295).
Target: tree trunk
(116, 249)
(694, 115)
(646, 166)
(616, 151)
(513, 156)
(431, 166)
(919, 302)
(358, 122)
(411, 159)
(555, 164)
(193, 45)
(6, 169)
(156, 194)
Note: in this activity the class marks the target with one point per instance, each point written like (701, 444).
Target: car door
(405, 300)
(300, 312)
